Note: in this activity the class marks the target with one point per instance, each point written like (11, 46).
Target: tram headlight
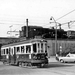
(17, 56)
(34, 56)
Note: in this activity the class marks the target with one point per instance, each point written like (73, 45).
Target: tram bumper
(39, 61)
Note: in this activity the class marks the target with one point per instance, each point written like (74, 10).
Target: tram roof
(23, 42)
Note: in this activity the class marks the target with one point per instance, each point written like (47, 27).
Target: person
(57, 56)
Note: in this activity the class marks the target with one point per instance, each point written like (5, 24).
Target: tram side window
(34, 48)
(4, 51)
(28, 49)
(18, 49)
(38, 48)
(41, 47)
(7, 51)
(11, 51)
(45, 47)
(22, 49)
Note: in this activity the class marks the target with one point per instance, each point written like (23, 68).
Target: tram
(31, 52)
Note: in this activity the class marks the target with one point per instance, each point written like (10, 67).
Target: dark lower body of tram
(39, 59)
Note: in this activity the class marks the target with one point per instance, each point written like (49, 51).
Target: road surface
(54, 68)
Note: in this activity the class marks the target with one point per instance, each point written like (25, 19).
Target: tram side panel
(23, 53)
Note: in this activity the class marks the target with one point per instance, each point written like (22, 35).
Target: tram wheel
(22, 64)
(4, 63)
(41, 65)
(19, 64)
(29, 64)
(25, 64)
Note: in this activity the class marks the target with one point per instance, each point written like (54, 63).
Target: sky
(13, 14)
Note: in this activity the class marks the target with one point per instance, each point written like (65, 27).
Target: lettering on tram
(31, 52)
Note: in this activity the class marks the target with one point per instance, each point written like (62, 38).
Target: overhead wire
(65, 14)
(43, 23)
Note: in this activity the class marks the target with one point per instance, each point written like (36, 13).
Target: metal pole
(55, 35)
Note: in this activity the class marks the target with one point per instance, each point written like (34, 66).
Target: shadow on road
(56, 65)
(50, 65)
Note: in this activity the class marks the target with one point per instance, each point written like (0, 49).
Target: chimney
(26, 28)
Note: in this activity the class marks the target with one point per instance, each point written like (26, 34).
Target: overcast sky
(15, 13)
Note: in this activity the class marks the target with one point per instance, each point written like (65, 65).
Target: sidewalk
(52, 59)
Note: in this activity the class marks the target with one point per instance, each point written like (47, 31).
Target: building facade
(62, 45)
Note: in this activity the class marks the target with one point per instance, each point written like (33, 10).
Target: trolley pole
(26, 28)
(55, 34)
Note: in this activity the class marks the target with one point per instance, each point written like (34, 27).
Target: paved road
(54, 68)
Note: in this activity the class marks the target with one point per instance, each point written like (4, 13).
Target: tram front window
(34, 48)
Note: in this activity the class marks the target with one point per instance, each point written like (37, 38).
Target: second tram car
(31, 52)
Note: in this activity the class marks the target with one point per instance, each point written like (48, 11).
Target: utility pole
(11, 30)
(26, 28)
(55, 33)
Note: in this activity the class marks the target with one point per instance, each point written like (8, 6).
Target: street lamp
(52, 18)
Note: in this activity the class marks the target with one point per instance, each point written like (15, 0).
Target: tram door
(34, 48)
(12, 55)
(9, 55)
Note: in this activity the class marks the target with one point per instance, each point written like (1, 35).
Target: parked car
(68, 58)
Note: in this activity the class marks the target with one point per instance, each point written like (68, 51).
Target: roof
(23, 42)
(8, 38)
